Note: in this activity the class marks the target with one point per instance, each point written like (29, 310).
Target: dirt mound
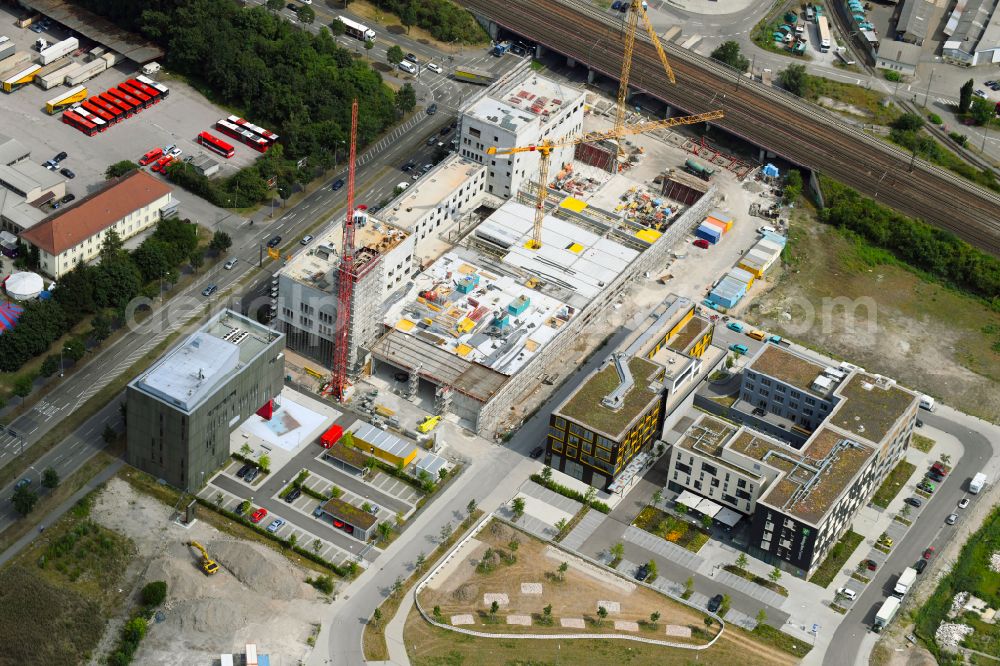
(177, 574)
(208, 616)
(256, 569)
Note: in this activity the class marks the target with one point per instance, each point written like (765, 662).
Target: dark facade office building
(182, 410)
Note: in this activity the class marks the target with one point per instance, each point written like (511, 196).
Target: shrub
(892, 76)
(154, 593)
(934, 118)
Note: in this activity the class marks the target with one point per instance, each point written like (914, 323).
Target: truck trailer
(55, 77)
(977, 483)
(905, 582)
(473, 75)
(885, 614)
(698, 169)
(87, 72)
(58, 50)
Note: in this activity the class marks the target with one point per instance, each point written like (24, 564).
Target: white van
(408, 67)
(927, 402)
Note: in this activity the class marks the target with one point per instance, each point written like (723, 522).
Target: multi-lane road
(784, 124)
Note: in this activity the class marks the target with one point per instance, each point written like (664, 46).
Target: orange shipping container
(724, 220)
(717, 225)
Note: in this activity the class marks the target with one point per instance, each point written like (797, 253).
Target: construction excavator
(208, 565)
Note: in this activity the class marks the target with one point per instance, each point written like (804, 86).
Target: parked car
(616, 5)
(274, 242)
(409, 165)
(240, 509)
(23, 483)
(306, 239)
(174, 151)
(339, 524)
(349, 528)
(60, 157)
(536, 452)
(209, 290)
(964, 502)
(951, 519)
(702, 243)
(642, 573)
(412, 58)
(847, 593)
(934, 476)
(940, 469)
(739, 349)
(337, 184)
(871, 565)
(920, 566)
(980, 93)
(714, 603)
(275, 525)
(929, 553)
(374, 509)
(735, 326)
(252, 474)
(434, 68)
(258, 515)
(914, 501)
(318, 511)
(293, 495)
(68, 173)
(229, 264)
(66, 199)
(243, 470)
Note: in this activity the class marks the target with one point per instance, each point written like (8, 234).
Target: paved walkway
(583, 530)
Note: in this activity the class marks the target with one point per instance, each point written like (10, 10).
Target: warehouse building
(801, 485)
(914, 21)
(182, 410)
(973, 31)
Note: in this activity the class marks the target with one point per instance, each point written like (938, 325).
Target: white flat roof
(192, 370)
(428, 192)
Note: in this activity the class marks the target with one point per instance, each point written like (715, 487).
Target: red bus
(270, 137)
(144, 99)
(126, 108)
(216, 144)
(98, 111)
(153, 93)
(246, 136)
(118, 94)
(117, 113)
(95, 120)
(154, 84)
(80, 123)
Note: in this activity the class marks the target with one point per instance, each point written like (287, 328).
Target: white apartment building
(129, 205)
(525, 111)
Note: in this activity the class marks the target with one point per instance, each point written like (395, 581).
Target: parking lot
(176, 120)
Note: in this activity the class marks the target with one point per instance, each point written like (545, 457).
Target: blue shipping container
(709, 233)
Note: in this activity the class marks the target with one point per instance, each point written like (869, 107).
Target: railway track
(767, 117)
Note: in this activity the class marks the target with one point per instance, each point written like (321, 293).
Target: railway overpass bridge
(767, 117)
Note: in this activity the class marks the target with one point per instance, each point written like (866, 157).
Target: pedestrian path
(551, 498)
(583, 530)
(670, 551)
(750, 589)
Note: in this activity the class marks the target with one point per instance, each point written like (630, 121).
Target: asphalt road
(927, 530)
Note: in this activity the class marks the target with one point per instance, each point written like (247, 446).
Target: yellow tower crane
(545, 148)
(208, 565)
(636, 10)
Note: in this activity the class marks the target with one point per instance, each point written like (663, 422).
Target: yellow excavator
(208, 565)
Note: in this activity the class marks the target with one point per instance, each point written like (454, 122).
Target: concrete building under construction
(308, 288)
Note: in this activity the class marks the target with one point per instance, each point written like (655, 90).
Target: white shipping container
(111, 58)
(58, 50)
(56, 77)
(87, 72)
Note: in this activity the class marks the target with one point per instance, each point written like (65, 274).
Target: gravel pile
(253, 569)
(949, 635)
(995, 561)
(958, 603)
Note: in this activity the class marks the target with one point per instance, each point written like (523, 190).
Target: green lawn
(921, 443)
(835, 561)
(893, 483)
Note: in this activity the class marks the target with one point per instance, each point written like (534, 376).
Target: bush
(934, 118)
(322, 583)
(892, 76)
(570, 493)
(153, 593)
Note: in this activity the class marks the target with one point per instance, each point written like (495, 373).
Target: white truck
(906, 580)
(58, 50)
(886, 613)
(977, 483)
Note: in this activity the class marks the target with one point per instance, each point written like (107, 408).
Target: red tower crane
(346, 279)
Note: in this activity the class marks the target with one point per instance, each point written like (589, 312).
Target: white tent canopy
(688, 499)
(708, 508)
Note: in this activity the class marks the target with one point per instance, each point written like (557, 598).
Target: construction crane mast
(636, 10)
(545, 148)
(346, 279)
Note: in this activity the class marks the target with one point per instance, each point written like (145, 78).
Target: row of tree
(935, 251)
(443, 19)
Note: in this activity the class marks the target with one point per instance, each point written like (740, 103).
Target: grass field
(56, 597)
(893, 483)
(921, 443)
(883, 317)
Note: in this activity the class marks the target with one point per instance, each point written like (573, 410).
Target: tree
(561, 526)
(445, 532)
(709, 621)
(775, 575)
(517, 507)
(265, 463)
(905, 511)
(681, 508)
(119, 169)
(394, 54)
(761, 616)
(793, 186)
(406, 98)
(729, 53)
(657, 497)
(654, 617)
(337, 27)
(965, 96)
(589, 496)
(982, 111)
(153, 593)
(706, 522)
(688, 587)
(725, 605)
(602, 613)
(617, 550)
(335, 492)
(494, 607)
(563, 568)
(384, 531)
(245, 450)
(470, 508)
(908, 122)
(306, 14)
(547, 614)
(50, 478)
(795, 80)
(409, 16)
(24, 500)
(546, 474)
(397, 585)
(399, 519)
(110, 434)
(221, 242)
(653, 572)
(50, 365)
(245, 507)
(369, 45)
(366, 507)
(111, 246)
(196, 259)
(420, 561)
(742, 561)
(317, 546)
(945, 458)
(376, 617)
(23, 386)
(74, 349)
(437, 612)
(274, 5)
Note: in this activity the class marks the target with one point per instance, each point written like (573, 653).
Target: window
(560, 423)
(741, 483)
(743, 494)
(474, 132)
(709, 469)
(555, 433)
(682, 467)
(780, 388)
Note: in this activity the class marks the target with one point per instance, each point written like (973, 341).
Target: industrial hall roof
(98, 29)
